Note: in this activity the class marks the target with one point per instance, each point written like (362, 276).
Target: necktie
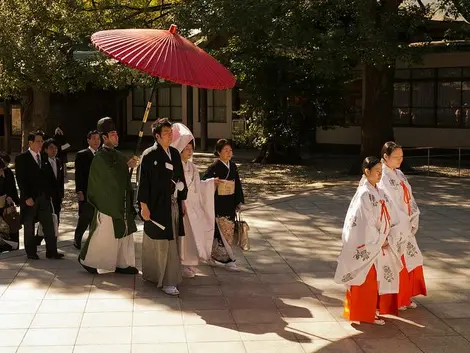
(54, 166)
(38, 160)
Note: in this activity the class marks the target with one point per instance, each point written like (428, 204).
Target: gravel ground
(266, 181)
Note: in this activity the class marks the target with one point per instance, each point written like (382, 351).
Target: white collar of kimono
(364, 181)
(225, 164)
(168, 152)
(391, 173)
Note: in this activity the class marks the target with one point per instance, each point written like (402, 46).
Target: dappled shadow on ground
(310, 226)
(284, 296)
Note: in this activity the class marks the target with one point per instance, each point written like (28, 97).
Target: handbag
(241, 233)
(12, 218)
(55, 223)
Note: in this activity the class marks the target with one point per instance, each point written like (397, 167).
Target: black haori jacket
(157, 177)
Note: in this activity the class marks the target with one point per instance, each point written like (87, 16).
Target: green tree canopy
(293, 58)
(41, 41)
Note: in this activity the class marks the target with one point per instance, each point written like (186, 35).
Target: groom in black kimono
(162, 188)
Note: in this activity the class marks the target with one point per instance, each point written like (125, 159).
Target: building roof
(439, 14)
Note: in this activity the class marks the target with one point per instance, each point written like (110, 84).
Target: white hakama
(105, 252)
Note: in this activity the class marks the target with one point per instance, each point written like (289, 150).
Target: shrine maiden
(398, 189)
(368, 264)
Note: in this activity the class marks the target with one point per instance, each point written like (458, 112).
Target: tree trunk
(377, 114)
(377, 118)
(35, 106)
(7, 126)
(203, 118)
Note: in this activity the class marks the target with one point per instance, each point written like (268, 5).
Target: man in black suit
(82, 170)
(35, 201)
(54, 169)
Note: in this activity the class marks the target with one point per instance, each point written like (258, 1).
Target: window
(216, 106)
(449, 102)
(449, 72)
(432, 97)
(422, 103)
(167, 102)
(401, 103)
(464, 113)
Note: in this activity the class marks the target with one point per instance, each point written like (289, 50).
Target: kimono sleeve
(144, 189)
(414, 218)
(415, 223)
(396, 234)
(211, 172)
(102, 187)
(239, 197)
(362, 241)
(179, 174)
(204, 187)
(360, 227)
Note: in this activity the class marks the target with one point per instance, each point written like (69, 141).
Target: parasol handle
(144, 120)
(141, 134)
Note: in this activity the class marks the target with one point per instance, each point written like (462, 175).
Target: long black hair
(388, 148)
(369, 163)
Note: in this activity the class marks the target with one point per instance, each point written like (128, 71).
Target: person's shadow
(244, 303)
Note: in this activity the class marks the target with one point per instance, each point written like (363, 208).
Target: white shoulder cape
(367, 225)
(396, 186)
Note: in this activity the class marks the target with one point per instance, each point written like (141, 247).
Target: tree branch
(462, 9)
(421, 5)
(125, 7)
(152, 20)
(137, 13)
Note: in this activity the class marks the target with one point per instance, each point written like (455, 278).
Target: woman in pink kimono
(198, 208)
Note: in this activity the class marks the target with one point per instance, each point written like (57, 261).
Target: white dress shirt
(53, 162)
(35, 156)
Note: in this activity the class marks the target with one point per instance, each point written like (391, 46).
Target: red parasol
(164, 54)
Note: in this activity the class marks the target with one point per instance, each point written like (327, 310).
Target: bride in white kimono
(368, 264)
(198, 208)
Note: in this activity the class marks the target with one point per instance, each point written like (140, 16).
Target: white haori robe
(199, 220)
(396, 186)
(105, 251)
(367, 225)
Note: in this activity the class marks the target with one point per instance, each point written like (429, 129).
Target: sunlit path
(284, 300)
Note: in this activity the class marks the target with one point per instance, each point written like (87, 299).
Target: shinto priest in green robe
(110, 244)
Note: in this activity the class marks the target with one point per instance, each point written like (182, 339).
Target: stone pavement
(284, 300)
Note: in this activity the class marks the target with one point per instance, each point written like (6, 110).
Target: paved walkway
(283, 301)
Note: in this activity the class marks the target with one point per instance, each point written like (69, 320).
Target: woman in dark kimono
(8, 199)
(228, 199)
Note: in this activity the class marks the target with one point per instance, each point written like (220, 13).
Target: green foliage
(252, 137)
(297, 50)
(39, 38)
(284, 54)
